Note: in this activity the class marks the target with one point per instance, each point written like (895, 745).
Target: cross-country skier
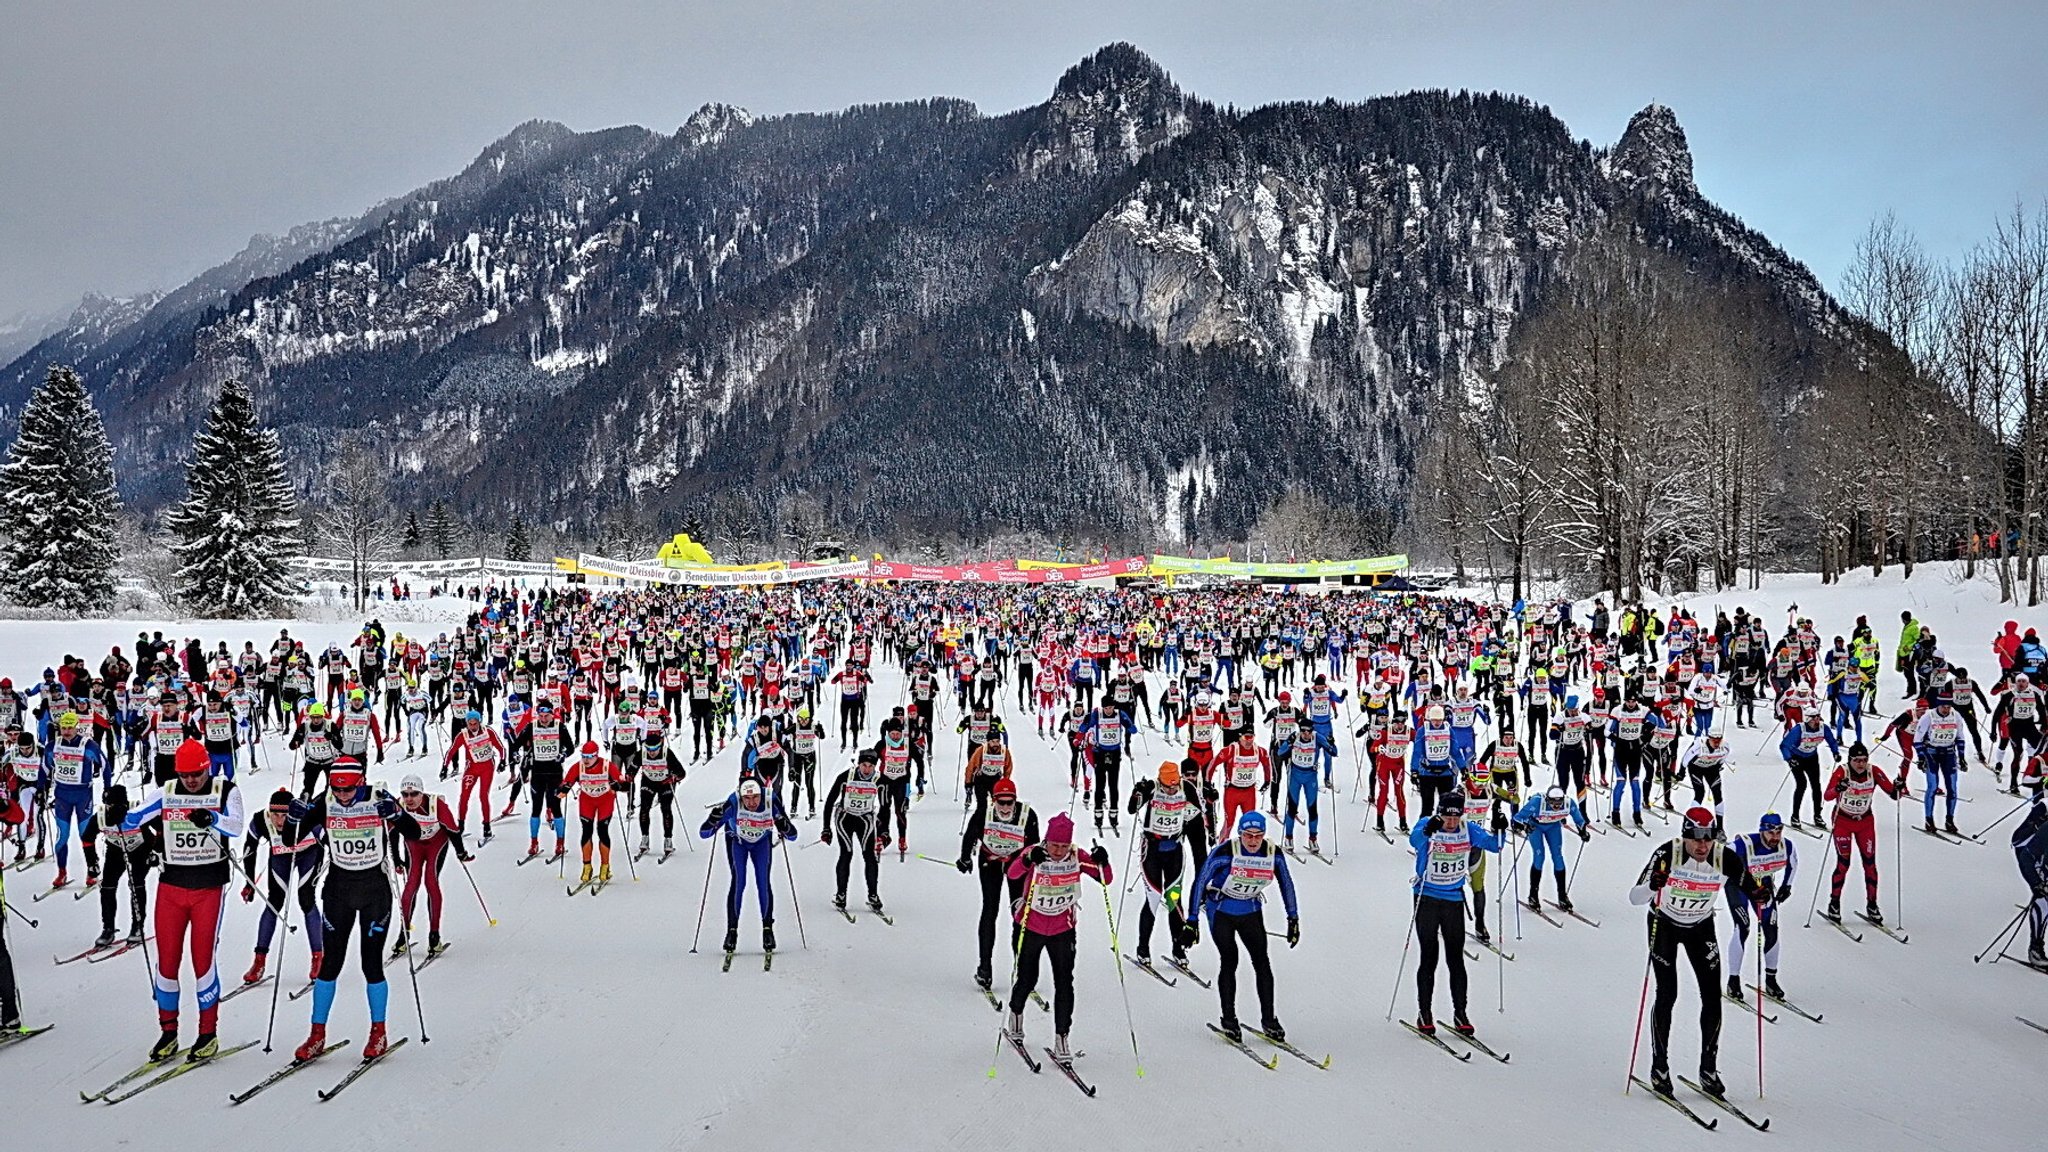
(1772, 864)
(1443, 859)
(198, 817)
(424, 859)
(995, 834)
(357, 828)
(751, 819)
(1230, 890)
(277, 848)
(1052, 873)
(2030, 850)
(1800, 748)
(1542, 820)
(1937, 744)
(1852, 788)
(596, 783)
(856, 809)
(1682, 882)
(1175, 833)
(129, 854)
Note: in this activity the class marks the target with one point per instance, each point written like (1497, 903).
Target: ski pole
(1017, 961)
(1998, 942)
(1770, 732)
(1979, 837)
(1407, 940)
(1580, 855)
(794, 903)
(1759, 998)
(270, 1029)
(479, 891)
(1898, 861)
(1642, 1002)
(25, 917)
(1129, 851)
(1116, 957)
(710, 862)
(412, 966)
(625, 844)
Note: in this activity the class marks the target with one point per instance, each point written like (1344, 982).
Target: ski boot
(604, 874)
(205, 1046)
(732, 940)
(1425, 1024)
(135, 935)
(1535, 902)
(1288, 844)
(1014, 1027)
(1710, 1083)
(1796, 822)
(1874, 914)
(105, 939)
(767, 935)
(1834, 910)
(1402, 827)
(434, 944)
(874, 904)
(1060, 1051)
(1638, 820)
(376, 1045)
(1273, 1030)
(62, 879)
(1460, 1023)
(1928, 827)
(256, 966)
(1229, 1027)
(1660, 1081)
(1380, 825)
(839, 901)
(533, 846)
(315, 1041)
(166, 1046)
(1735, 988)
(585, 878)
(668, 845)
(402, 943)
(1771, 988)
(984, 979)
(643, 845)
(1615, 819)
(1949, 826)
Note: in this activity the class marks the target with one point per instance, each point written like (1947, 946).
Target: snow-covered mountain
(1123, 307)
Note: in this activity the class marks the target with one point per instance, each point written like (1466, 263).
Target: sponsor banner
(424, 567)
(1004, 572)
(1370, 566)
(708, 577)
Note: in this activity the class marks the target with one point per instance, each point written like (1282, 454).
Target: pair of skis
(95, 954)
(119, 1090)
(875, 912)
(767, 962)
(532, 856)
(1064, 1063)
(1435, 1039)
(298, 1065)
(593, 886)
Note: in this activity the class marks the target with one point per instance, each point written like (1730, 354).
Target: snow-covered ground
(588, 1023)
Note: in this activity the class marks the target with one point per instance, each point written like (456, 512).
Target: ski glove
(964, 866)
(200, 817)
(1035, 854)
(1293, 931)
(1784, 894)
(1585, 833)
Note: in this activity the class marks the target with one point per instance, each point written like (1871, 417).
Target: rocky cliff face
(1122, 308)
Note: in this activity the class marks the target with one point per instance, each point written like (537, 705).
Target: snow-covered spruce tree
(238, 526)
(441, 530)
(518, 548)
(60, 506)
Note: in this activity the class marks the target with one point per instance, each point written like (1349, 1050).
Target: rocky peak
(1652, 149)
(711, 123)
(1108, 110)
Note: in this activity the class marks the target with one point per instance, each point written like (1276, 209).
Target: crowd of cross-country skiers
(1254, 698)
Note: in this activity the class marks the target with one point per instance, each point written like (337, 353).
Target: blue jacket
(1789, 746)
(1216, 869)
(1419, 839)
(95, 765)
(1322, 740)
(726, 817)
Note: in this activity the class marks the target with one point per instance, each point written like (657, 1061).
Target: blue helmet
(1571, 701)
(1770, 820)
(474, 715)
(1251, 820)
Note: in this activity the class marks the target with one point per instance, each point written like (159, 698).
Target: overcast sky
(141, 142)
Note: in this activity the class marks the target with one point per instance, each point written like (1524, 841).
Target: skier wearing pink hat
(1052, 872)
